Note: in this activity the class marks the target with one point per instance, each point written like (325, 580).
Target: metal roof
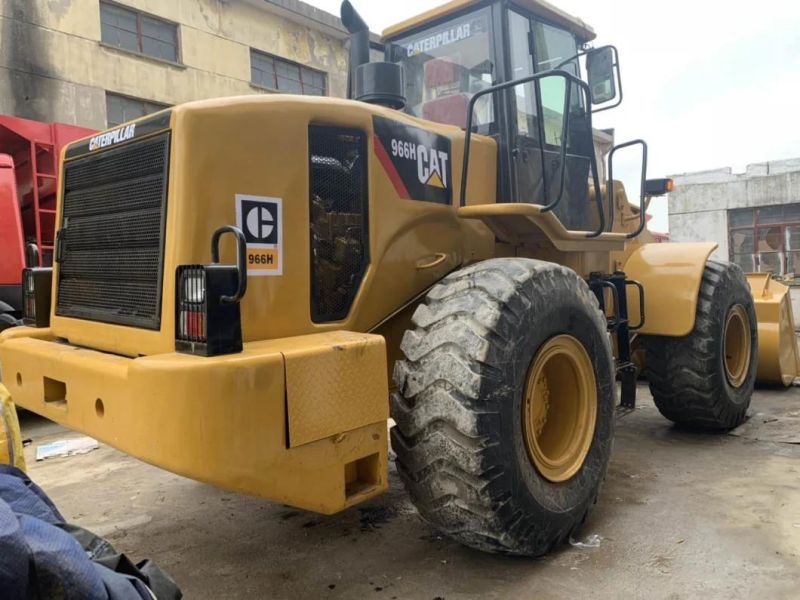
(539, 7)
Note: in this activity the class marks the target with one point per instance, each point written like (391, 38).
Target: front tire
(505, 405)
(706, 378)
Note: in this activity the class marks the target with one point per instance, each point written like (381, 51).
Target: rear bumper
(299, 420)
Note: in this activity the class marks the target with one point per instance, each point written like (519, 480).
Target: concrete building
(753, 216)
(96, 63)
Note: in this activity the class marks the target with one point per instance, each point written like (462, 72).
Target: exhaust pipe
(359, 43)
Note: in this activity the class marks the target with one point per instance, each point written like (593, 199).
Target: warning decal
(417, 161)
(261, 220)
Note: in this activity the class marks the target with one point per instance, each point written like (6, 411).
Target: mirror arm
(570, 59)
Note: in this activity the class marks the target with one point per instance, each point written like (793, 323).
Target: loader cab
(451, 53)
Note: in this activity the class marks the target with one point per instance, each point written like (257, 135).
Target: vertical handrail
(569, 80)
(610, 186)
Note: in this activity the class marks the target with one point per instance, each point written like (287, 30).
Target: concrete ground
(682, 515)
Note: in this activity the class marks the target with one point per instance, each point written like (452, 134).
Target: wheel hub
(559, 408)
(737, 345)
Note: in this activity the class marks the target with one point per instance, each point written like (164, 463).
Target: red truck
(29, 153)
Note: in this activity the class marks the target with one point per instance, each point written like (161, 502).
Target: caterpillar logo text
(115, 136)
(416, 161)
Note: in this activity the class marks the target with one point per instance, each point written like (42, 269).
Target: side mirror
(602, 66)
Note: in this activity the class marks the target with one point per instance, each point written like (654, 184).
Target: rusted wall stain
(53, 66)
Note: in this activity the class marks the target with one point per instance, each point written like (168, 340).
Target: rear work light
(36, 296)
(208, 320)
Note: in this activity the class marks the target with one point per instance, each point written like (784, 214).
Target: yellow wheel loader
(235, 279)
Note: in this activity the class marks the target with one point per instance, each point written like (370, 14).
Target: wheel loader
(235, 279)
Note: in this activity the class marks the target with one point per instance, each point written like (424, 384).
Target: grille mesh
(112, 235)
(339, 245)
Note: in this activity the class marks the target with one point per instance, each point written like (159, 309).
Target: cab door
(537, 118)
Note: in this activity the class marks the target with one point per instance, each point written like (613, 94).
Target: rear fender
(671, 275)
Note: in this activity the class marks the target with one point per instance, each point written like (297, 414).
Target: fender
(671, 275)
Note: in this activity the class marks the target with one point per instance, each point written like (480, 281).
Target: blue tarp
(42, 557)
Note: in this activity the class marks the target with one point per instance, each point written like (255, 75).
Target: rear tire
(694, 381)
(462, 427)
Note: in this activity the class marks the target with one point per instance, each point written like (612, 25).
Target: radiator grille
(338, 211)
(112, 235)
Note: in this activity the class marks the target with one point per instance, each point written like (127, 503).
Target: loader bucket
(778, 354)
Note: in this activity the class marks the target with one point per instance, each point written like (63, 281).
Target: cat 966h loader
(235, 279)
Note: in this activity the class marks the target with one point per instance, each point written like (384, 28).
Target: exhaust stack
(373, 82)
(359, 43)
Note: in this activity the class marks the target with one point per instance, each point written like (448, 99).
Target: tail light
(208, 319)
(36, 296)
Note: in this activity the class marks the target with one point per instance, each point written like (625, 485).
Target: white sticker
(261, 220)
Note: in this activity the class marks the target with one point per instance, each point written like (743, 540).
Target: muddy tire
(706, 378)
(463, 434)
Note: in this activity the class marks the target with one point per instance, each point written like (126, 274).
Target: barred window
(766, 239)
(135, 31)
(279, 74)
(120, 109)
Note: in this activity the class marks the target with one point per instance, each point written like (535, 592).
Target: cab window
(553, 49)
(445, 65)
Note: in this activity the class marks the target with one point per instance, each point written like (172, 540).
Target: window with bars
(120, 109)
(766, 239)
(131, 30)
(278, 74)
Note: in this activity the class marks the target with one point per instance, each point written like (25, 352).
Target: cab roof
(542, 8)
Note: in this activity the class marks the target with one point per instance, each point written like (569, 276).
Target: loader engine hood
(295, 174)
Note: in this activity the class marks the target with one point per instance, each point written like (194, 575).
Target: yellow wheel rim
(559, 408)
(736, 345)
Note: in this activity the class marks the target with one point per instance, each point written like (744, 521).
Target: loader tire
(505, 405)
(706, 379)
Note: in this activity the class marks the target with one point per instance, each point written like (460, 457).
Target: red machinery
(29, 152)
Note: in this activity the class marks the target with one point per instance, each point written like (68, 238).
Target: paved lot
(682, 515)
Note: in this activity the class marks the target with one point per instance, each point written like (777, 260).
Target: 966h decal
(261, 220)
(418, 162)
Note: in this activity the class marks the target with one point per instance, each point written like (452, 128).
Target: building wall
(53, 66)
(699, 204)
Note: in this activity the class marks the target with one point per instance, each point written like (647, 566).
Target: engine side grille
(339, 223)
(111, 244)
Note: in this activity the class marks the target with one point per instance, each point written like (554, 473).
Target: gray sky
(707, 84)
